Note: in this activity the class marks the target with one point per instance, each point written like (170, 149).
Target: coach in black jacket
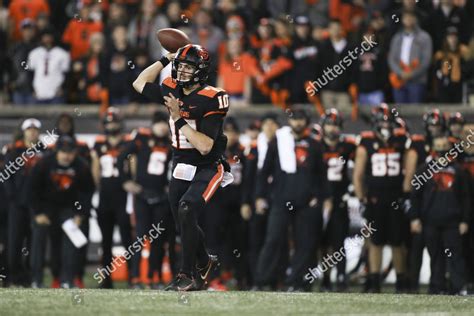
(62, 188)
(294, 160)
(440, 209)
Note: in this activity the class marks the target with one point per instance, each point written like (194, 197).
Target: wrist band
(180, 123)
(164, 61)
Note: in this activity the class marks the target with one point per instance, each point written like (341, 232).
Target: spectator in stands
(141, 60)
(118, 66)
(21, 79)
(409, 59)
(448, 69)
(447, 15)
(173, 12)
(227, 10)
(142, 29)
(49, 64)
(305, 56)
(371, 73)
(22, 9)
(79, 30)
(92, 68)
(412, 6)
(117, 15)
(233, 73)
(333, 50)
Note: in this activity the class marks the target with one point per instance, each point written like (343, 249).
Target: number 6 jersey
(204, 110)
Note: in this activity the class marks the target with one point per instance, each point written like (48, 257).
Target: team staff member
(3, 222)
(196, 117)
(28, 150)
(378, 181)
(112, 197)
(441, 211)
(294, 159)
(59, 181)
(148, 181)
(338, 151)
(65, 126)
(254, 158)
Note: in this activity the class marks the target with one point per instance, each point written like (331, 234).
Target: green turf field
(147, 302)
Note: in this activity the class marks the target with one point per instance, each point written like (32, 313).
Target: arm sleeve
(153, 92)
(211, 125)
(131, 148)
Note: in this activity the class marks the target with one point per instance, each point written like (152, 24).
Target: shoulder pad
(350, 139)
(169, 82)
(100, 139)
(399, 132)
(210, 91)
(19, 143)
(144, 131)
(81, 143)
(417, 138)
(367, 134)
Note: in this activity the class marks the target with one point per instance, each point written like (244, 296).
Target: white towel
(262, 147)
(286, 149)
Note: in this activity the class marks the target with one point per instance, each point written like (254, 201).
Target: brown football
(172, 39)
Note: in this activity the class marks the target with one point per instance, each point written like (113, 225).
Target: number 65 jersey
(384, 167)
(204, 110)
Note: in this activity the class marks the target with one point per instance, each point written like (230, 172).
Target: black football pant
(109, 215)
(225, 231)
(445, 246)
(66, 254)
(158, 214)
(335, 234)
(306, 223)
(257, 232)
(187, 200)
(415, 259)
(19, 240)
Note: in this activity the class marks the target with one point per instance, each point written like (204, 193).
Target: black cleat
(186, 283)
(173, 285)
(203, 273)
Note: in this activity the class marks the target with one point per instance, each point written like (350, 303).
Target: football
(172, 39)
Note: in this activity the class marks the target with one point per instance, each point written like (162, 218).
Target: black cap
(270, 116)
(66, 143)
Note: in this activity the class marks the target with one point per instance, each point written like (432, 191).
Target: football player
(338, 151)
(378, 181)
(197, 111)
(112, 197)
(152, 149)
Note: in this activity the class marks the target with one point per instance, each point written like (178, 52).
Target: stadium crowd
(89, 51)
(284, 220)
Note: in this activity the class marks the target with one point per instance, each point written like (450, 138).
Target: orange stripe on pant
(214, 184)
